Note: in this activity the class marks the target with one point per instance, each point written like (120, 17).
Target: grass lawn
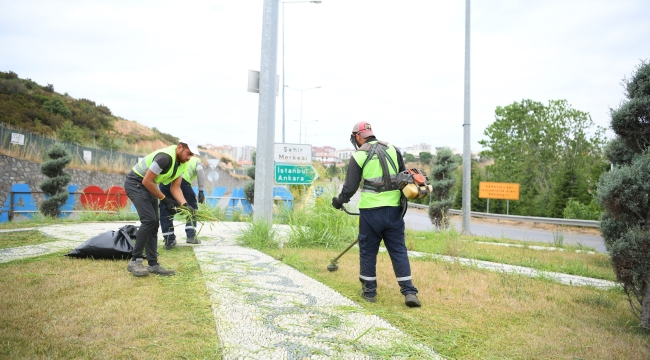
(569, 262)
(55, 307)
(474, 314)
(63, 308)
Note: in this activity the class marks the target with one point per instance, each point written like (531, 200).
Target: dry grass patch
(473, 314)
(55, 307)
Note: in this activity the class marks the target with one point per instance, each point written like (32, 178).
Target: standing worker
(374, 168)
(162, 166)
(194, 171)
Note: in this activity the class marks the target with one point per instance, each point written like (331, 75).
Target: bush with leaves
(70, 132)
(442, 182)
(55, 186)
(576, 210)
(624, 193)
(56, 106)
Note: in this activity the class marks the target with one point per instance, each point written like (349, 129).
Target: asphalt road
(419, 220)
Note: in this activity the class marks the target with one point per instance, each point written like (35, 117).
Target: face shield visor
(353, 140)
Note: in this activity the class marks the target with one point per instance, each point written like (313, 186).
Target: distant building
(344, 154)
(324, 154)
(237, 153)
(421, 147)
(245, 164)
(416, 149)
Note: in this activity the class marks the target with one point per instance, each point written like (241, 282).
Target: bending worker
(194, 171)
(163, 166)
(374, 167)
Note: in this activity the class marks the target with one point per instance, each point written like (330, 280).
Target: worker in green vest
(164, 166)
(194, 171)
(374, 168)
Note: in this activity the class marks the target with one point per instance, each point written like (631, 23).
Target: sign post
(496, 190)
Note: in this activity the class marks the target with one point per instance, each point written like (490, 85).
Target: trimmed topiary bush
(442, 182)
(624, 192)
(55, 186)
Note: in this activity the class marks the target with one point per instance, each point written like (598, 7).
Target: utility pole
(467, 151)
(266, 114)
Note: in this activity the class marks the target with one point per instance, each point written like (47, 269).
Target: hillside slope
(39, 109)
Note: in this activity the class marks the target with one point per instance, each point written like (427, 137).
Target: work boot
(412, 300)
(158, 270)
(367, 297)
(170, 244)
(193, 240)
(136, 268)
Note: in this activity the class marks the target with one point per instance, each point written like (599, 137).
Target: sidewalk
(263, 308)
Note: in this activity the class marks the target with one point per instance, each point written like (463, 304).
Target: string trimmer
(333, 266)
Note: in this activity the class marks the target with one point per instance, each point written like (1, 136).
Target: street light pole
(283, 86)
(300, 136)
(467, 150)
(301, 92)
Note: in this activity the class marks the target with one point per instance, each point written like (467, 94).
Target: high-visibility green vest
(190, 173)
(373, 173)
(143, 165)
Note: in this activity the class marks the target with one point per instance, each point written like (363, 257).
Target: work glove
(170, 204)
(336, 204)
(201, 197)
(190, 208)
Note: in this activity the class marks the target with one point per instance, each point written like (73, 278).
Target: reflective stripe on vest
(372, 174)
(190, 173)
(143, 165)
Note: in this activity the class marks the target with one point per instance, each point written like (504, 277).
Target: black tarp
(112, 244)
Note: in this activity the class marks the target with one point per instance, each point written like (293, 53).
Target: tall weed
(320, 225)
(259, 234)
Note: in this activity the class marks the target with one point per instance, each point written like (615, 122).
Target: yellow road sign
(498, 190)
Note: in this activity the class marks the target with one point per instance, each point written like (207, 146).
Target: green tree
(544, 148)
(477, 204)
(425, 157)
(623, 193)
(409, 157)
(56, 106)
(70, 132)
(55, 186)
(331, 171)
(442, 182)
(107, 142)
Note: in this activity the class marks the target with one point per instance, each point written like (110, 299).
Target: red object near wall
(93, 198)
(116, 198)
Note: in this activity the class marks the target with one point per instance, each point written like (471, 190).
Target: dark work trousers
(167, 218)
(374, 225)
(146, 204)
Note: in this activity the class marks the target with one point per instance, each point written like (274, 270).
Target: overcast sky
(182, 67)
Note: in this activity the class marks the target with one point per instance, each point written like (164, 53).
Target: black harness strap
(379, 149)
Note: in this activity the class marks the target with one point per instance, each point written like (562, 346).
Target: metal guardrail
(542, 220)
